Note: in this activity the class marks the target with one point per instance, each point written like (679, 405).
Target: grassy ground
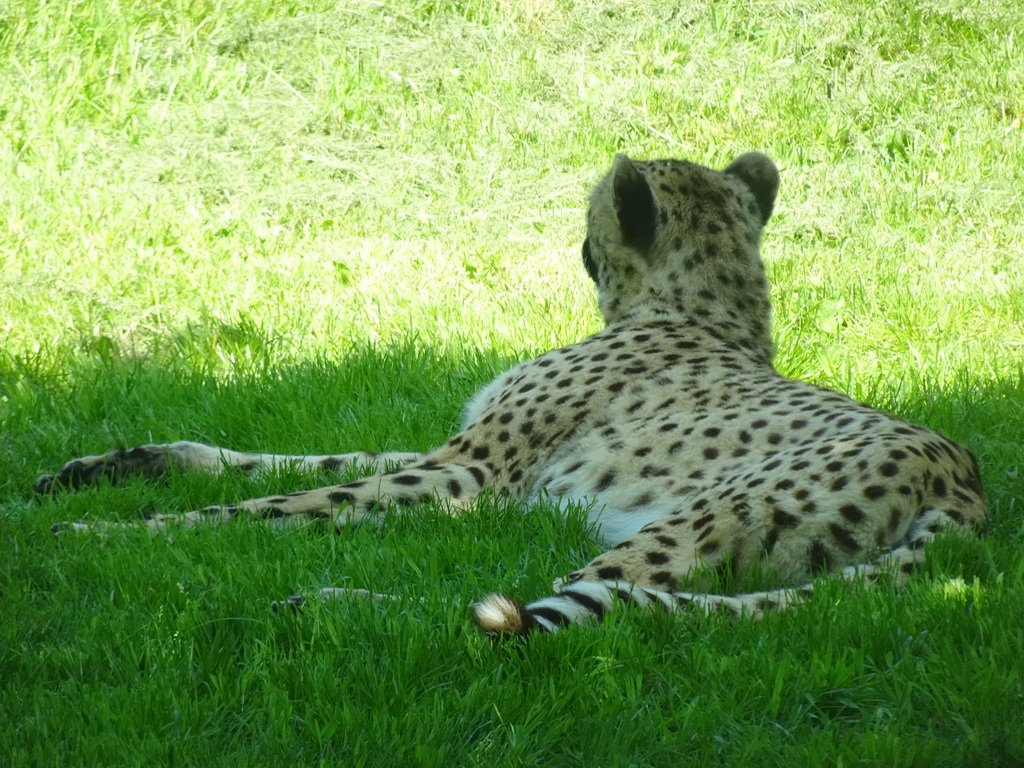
(319, 226)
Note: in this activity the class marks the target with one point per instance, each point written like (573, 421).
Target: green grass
(320, 226)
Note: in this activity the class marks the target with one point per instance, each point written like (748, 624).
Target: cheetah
(670, 425)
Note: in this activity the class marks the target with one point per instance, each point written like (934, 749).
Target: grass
(319, 226)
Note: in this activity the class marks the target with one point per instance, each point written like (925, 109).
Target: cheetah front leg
(154, 461)
(340, 505)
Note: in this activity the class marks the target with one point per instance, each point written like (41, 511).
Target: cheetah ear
(588, 262)
(759, 173)
(634, 205)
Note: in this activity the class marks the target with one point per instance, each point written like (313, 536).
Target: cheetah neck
(707, 320)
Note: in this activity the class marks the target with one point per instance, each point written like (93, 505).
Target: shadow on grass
(214, 386)
(403, 396)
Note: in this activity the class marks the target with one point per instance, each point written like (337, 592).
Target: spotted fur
(671, 425)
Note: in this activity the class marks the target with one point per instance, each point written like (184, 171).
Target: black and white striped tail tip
(500, 615)
(575, 604)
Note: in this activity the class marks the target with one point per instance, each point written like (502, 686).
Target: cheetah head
(670, 237)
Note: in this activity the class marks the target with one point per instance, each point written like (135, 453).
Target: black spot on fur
(666, 578)
(783, 519)
(703, 521)
(874, 492)
(820, 559)
(851, 513)
(709, 547)
(843, 538)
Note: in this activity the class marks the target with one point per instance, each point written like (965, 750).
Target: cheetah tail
(573, 604)
(583, 601)
(500, 615)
